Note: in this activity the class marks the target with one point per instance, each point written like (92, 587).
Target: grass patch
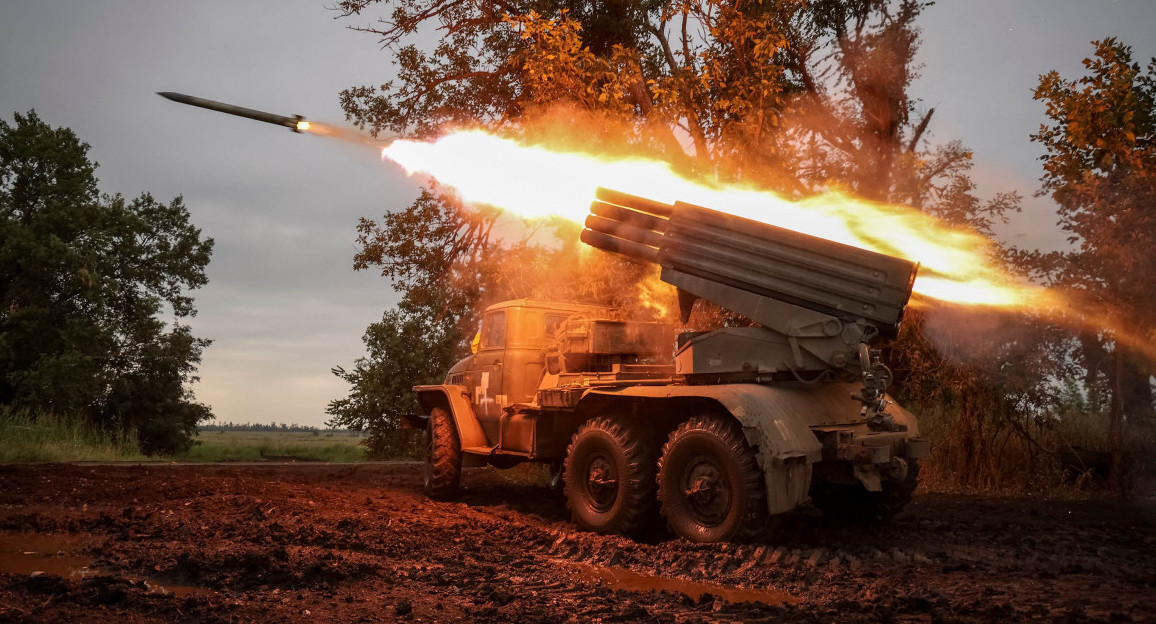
(52, 438)
(224, 446)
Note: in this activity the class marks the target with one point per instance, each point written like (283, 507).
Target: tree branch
(919, 130)
(666, 51)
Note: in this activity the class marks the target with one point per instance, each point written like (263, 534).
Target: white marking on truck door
(483, 393)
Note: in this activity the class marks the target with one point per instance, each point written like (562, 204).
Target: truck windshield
(494, 330)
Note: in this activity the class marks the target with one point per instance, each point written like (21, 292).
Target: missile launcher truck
(737, 425)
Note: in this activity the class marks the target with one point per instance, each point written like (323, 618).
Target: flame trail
(341, 133)
(537, 182)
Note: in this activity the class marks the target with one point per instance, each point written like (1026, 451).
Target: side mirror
(476, 343)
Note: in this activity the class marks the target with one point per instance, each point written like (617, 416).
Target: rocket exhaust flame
(537, 182)
(957, 266)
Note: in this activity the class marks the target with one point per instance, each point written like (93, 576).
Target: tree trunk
(1136, 388)
(1116, 426)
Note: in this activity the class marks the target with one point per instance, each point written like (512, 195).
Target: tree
(403, 349)
(83, 280)
(1100, 168)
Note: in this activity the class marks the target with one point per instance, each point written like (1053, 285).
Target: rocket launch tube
(630, 249)
(635, 202)
(230, 109)
(627, 215)
(625, 231)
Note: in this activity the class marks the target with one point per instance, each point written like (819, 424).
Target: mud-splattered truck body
(735, 425)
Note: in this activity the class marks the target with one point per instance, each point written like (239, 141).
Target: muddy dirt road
(360, 543)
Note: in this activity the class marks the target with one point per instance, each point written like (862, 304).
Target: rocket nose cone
(171, 95)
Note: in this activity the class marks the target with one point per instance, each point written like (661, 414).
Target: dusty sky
(283, 305)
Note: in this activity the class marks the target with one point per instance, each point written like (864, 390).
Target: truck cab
(510, 359)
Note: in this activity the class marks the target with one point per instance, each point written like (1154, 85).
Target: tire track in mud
(1046, 564)
(363, 544)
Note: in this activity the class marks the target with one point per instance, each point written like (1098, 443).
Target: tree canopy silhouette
(84, 280)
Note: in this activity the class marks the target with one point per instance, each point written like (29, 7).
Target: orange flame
(537, 182)
(341, 133)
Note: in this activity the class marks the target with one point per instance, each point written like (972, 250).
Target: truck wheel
(609, 476)
(443, 456)
(853, 501)
(709, 483)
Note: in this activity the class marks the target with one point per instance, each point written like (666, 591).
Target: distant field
(212, 446)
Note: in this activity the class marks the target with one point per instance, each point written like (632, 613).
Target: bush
(47, 437)
(1062, 450)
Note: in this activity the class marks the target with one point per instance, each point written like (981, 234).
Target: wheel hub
(707, 495)
(601, 482)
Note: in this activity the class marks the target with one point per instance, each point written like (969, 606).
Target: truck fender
(456, 401)
(776, 422)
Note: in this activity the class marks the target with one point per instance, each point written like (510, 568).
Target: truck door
(490, 359)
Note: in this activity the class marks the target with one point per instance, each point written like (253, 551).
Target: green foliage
(83, 278)
(1100, 168)
(404, 349)
(797, 96)
(426, 252)
(995, 410)
(274, 426)
(46, 437)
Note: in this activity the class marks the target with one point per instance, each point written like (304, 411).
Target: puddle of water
(621, 578)
(60, 565)
(25, 553)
